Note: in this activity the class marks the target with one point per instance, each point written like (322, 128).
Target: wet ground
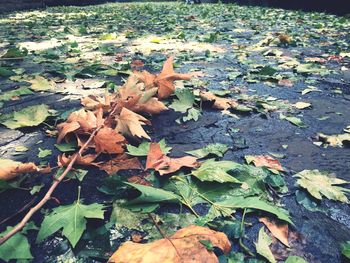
(255, 133)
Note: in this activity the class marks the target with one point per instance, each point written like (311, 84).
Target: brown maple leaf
(85, 160)
(218, 102)
(130, 123)
(158, 161)
(80, 122)
(109, 141)
(121, 162)
(186, 245)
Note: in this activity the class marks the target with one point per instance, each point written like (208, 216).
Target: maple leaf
(184, 246)
(218, 103)
(93, 102)
(320, 184)
(264, 161)
(279, 231)
(130, 123)
(109, 141)
(70, 218)
(11, 169)
(80, 122)
(263, 246)
(121, 162)
(158, 161)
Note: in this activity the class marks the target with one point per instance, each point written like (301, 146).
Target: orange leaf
(147, 78)
(183, 246)
(121, 162)
(165, 80)
(11, 169)
(218, 103)
(265, 161)
(278, 231)
(163, 164)
(130, 123)
(109, 141)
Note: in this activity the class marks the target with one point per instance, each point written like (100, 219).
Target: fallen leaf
(27, 117)
(218, 103)
(183, 246)
(335, 140)
(302, 105)
(130, 123)
(85, 160)
(320, 184)
(285, 82)
(262, 246)
(121, 162)
(264, 161)
(41, 84)
(109, 141)
(158, 161)
(11, 169)
(278, 231)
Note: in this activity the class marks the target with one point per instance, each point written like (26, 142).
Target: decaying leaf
(183, 246)
(279, 231)
(40, 84)
(121, 162)
(130, 123)
(85, 160)
(10, 169)
(320, 184)
(158, 161)
(264, 161)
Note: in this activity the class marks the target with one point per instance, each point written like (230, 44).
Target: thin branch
(47, 196)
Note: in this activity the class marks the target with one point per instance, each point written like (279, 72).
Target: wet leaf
(184, 246)
(184, 101)
(262, 246)
(11, 169)
(44, 153)
(345, 249)
(295, 259)
(109, 141)
(337, 140)
(66, 147)
(294, 120)
(8, 95)
(264, 161)
(121, 162)
(320, 184)
(302, 105)
(27, 117)
(217, 149)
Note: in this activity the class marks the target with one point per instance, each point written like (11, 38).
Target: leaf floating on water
(186, 245)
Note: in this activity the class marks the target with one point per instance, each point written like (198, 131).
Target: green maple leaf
(217, 149)
(40, 84)
(70, 218)
(262, 246)
(184, 101)
(4, 96)
(211, 170)
(17, 247)
(320, 184)
(27, 117)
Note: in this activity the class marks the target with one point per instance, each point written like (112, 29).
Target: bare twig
(47, 196)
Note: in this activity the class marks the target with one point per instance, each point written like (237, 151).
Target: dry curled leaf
(184, 246)
(11, 169)
(130, 123)
(158, 161)
(121, 162)
(279, 231)
(109, 141)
